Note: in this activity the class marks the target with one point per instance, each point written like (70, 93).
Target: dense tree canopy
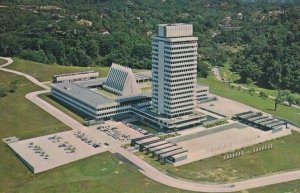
(99, 32)
(272, 59)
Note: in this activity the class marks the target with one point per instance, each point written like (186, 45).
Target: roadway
(146, 168)
(31, 78)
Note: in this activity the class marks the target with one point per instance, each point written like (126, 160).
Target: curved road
(32, 79)
(146, 168)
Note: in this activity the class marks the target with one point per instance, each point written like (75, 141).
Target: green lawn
(269, 92)
(289, 187)
(222, 89)
(284, 156)
(21, 117)
(44, 72)
(101, 173)
(72, 113)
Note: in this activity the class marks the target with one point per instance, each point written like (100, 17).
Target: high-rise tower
(174, 70)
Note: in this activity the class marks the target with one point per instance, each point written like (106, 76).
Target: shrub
(251, 91)
(263, 95)
(3, 91)
(13, 85)
(298, 101)
(291, 100)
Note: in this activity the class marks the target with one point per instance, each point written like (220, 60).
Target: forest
(99, 32)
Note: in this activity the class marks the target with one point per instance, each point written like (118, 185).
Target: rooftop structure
(174, 30)
(121, 81)
(158, 147)
(93, 83)
(75, 76)
(144, 76)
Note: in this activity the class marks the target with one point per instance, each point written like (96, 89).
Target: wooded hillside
(99, 32)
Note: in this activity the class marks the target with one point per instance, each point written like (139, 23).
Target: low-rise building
(202, 92)
(75, 76)
(93, 104)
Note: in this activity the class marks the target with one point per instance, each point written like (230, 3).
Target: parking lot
(114, 132)
(136, 127)
(50, 151)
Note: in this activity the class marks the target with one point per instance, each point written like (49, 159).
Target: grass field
(72, 113)
(289, 187)
(269, 92)
(44, 72)
(23, 119)
(101, 173)
(222, 89)
(284, 156)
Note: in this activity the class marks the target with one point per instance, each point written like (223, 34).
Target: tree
(54, 48)
(78, 57)
(281, 97)
(91, 49)
(202, 69)
(37, 56)
(248, 81)
(141, 51)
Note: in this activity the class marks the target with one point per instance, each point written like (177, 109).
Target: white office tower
(174, 70)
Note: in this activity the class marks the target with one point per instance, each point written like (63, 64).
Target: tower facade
(174, 70)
